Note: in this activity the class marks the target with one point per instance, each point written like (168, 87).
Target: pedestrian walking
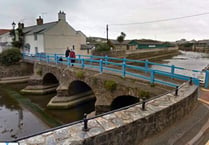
(72, 56)
(67, 52)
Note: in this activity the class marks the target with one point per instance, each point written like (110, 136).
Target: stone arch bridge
(76, 85)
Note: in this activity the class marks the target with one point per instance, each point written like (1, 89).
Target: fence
(123, 66)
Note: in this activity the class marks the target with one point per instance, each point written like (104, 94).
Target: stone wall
(20, 69)
(125, 127)
(95, 80)
(111, 53)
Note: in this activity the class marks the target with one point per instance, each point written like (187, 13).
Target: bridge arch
(50, 79)
(122, 101)
(78, 86)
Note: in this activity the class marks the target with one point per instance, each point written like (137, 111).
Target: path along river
(22, 115)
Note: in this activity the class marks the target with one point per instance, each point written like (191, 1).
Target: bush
(10, 56)
(39, 72)
(145, 94)
(101, 47)
(110, 85)
(80, 74)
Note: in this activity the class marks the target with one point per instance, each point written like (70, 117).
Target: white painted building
(5, 39)
(53, 37)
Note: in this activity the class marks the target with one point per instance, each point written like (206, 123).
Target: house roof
(39, 28)
(203, 41)
(147, 41)
(115, 42)
(3, 31)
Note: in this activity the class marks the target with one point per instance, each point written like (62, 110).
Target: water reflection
(10, 104)
(15, 120)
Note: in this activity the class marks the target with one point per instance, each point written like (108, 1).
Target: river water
(18, 118)
(23, 115)
(188, 60)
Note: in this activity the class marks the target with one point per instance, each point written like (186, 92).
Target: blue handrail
(118, 65)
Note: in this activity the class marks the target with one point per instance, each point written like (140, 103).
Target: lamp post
(13, 26)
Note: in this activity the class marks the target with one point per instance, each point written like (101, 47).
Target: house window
(35, 36)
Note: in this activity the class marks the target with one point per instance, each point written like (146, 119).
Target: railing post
(172, 70)
(82, 63)
(206, 79)
(57, 60)
(39, 57)
(91, 57)
(143, 103)
(106, 59)
(79, 58)
(176, 91)
(124, 69)
(124, 59)
(85, 123)
(190, 81)
(55, 57)
(152, 77)
(146, 65)
(68, 61)
(101, 65)
(47, 57)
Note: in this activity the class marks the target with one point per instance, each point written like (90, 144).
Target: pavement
(193, 129)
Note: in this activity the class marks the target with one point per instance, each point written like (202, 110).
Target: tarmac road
(193, 129)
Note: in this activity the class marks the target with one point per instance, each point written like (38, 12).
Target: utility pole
(107, 32)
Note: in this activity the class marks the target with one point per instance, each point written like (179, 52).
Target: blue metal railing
(122, 66)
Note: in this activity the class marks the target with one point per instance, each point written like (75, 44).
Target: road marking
(204, 101)
(203, 89)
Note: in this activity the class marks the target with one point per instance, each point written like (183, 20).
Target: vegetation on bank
(102, 47)
(10, 56)
(110, 85)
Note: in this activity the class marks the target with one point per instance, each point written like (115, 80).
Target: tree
(18, 37)
(101, 47)
(121, 38)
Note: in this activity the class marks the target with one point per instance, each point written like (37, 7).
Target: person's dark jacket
(67, 52)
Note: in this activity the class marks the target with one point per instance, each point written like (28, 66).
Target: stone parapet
(127, 126)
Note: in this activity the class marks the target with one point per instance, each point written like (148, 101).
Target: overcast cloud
(91, 16)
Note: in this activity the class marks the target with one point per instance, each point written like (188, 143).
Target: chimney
(61, 16)
(39, 21)
(20, 25)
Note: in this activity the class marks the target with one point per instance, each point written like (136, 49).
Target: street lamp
(13, 26)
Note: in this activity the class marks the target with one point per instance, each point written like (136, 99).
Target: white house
(5, 39)
(53, 37)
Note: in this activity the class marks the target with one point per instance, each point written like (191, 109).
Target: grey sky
(91, 16)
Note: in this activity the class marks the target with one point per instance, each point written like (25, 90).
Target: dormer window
(35, 36)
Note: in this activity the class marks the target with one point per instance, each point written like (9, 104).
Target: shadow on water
(23, 115)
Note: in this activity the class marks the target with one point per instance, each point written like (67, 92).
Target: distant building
(148, 44)
(117, 46)
(87, 48)
(53, 37)
(201, 44)
(5, 39)
(182, 41)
